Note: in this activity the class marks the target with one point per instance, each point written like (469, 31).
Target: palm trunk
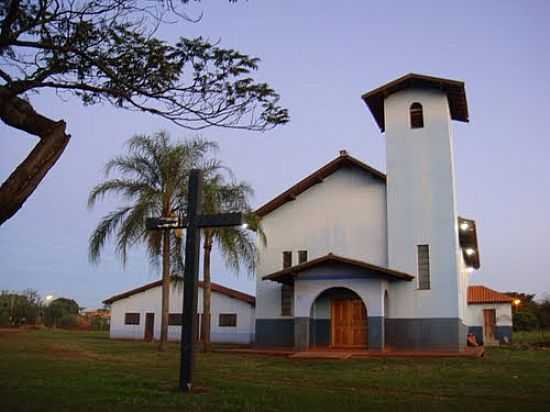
(165, 289)
(206, 292)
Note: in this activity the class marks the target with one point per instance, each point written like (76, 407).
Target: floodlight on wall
(464, 226)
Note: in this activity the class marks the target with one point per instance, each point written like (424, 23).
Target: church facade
(361, 259)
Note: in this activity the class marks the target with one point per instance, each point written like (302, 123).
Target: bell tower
(415, 113)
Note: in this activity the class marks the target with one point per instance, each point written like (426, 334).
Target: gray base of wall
(319, 332)
(275, 332)
(503, 333)
(422, 334)
(432, 334)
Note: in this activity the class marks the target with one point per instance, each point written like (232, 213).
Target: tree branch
(18, 113)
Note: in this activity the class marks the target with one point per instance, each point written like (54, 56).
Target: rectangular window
(423, 267)
(302, 256)
(228, 320)
(175, 319)
(131, 318)
(287, 259)
(287, 299)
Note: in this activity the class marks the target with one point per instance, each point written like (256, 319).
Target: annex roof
(343, 160)
(454, 89)
(232, 293)
(478, 294)
(287, 275)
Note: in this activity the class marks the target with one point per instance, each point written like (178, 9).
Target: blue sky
(320, 56)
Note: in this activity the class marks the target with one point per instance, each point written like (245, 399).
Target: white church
(361, 259)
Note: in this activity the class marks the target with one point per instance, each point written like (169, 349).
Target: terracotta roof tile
(478, 294)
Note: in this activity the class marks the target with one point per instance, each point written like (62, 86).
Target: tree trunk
(206, 292)
(19, 114)
(165, 289)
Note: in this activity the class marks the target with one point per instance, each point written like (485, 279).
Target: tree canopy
(109, 51)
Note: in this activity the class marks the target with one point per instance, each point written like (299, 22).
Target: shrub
(525, 321)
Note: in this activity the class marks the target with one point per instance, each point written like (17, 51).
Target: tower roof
(454, 89)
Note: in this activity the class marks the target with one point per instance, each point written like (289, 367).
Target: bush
(99, 323)
(67, 321)
(525, 321)
(4, 319)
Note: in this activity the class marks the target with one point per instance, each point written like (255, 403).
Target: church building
(356, 258)
(361, 259)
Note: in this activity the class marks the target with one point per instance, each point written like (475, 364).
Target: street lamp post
(193, 222)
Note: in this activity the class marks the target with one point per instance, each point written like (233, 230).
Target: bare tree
(108, 51)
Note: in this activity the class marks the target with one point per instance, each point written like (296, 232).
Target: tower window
(302, 256)
(417, 117)
(423, 267)
(287, 259)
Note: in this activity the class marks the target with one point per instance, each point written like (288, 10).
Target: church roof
(343, 160)
(287, 275)
(478, 294)
(454, 89)
(232, 293)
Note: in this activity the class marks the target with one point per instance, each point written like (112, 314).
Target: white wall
(150, 301)
(346, 215)
(421, 205)
(474, 314)
(313, 282)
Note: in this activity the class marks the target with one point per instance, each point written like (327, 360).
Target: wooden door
(149, 326)
(490, 324)
(349, 323)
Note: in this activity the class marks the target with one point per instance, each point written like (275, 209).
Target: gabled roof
(454, 89)
(478, 294)
(232, 293)
(287, 275)
(343, 160)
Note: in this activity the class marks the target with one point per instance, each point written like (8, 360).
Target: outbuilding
(136, 314)
(489, 315)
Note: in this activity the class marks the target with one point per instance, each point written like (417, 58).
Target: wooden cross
(193, 222)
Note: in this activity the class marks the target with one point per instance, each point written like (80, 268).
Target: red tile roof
(232, 293)
(478, 294)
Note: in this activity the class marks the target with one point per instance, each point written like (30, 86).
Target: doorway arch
(338, 319)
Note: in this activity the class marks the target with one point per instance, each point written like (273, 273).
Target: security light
(464, 226)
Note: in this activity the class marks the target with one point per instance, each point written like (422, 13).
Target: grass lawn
(46, 370)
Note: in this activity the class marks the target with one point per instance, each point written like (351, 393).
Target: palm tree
(236, 244)
(153, 181)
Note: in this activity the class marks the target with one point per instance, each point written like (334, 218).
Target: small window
(423, 267)
(287, 259)
(417, 117)
(175, 319)
(131, 318)
(228, 320)
(302, 256)
(287, 299)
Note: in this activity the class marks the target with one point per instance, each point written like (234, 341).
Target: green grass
(46, 370)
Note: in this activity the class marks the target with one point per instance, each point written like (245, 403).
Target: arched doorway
(338, 319)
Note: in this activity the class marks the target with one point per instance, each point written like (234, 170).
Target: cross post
(193, 222)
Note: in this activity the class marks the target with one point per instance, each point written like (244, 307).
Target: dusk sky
(320, 57)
